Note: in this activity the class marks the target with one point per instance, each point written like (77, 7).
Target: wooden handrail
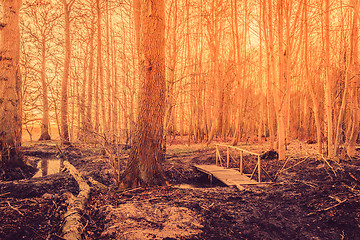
(229, 146)
(258, 165)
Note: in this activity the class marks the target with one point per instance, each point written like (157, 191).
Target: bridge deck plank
(228, 176)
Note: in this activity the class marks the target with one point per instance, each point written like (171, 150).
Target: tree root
(73, 227)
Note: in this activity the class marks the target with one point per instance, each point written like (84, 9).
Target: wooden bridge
(233, 176)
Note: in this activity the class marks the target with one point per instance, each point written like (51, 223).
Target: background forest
(234, 69)
(136, 91)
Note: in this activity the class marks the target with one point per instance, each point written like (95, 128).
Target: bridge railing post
(216, 156)
(259, 169)
(241, 162)
(227, 158)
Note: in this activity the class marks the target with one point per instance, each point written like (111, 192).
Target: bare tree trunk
(82, 123)
(269, 40)
(64, 84)
(115, 83)
(280, 97)
(10, 87)
(260, 77)
(110, 130)
(45, 119)
(348, 62)
(101, 68)
(132, 113)
(239, 80)
(328, 83)
(353, 132)
(214, 35)
(170, 103)
(314, 98)
(89, 104)
(147, 152)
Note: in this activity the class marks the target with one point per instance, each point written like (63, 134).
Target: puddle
(48, 167)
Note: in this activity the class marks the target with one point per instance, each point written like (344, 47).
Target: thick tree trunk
(10, 86)
(147, 151)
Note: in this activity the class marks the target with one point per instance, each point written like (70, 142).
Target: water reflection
(48, 167)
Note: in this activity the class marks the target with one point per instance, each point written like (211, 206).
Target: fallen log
(72, 228)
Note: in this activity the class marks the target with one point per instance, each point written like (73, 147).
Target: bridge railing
(241, 162)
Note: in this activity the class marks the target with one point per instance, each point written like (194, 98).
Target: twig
(353, 177)
(295, 165)
(61, 152)
(281, 168)
(268, 174)
(14, 208)
(4, 194)
(131, 190)
(87, 223)
(58, 236)
(335, 198)
(308, 184)
(329, 165)
(326, 209)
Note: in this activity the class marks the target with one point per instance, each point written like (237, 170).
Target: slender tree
(314, 97)
(280, 88)
(328, 82)
(89, 103)
(353, 131)
(100, 68)
(65, 80)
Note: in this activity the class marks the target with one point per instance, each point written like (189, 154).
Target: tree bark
(101, 68)
(45, 123)
(147, 151)
(269, 40)
(64, 84)
(353, 132)
(10, 86)
(315, 99)
(89, 126)
(328, 84)
(280, 97)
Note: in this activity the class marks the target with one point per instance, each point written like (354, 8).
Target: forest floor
(311, 198)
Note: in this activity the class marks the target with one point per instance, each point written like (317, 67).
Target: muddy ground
(310, 199)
